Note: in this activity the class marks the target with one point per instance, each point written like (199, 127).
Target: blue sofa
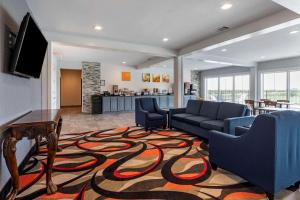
(267, 155)
(149, 115)
(199, 117)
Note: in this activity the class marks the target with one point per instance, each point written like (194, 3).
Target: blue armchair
(148, 114)
(267, 155)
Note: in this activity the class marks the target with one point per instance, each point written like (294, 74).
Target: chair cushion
(229, 110)
(209, 109)
(217, 125)
(195, 120)
(148, 104)
(155, 116)
(181, 116)
(193, 107)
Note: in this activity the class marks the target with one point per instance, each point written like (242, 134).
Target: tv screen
(30, 50)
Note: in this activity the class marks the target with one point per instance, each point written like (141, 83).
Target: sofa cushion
(229, 110)
(148, 104)
(155, 116)
(195, 120)
(193, 107)
(181, 116)
(217, 125)
(209, 109)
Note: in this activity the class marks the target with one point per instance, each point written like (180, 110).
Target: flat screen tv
(29, 50)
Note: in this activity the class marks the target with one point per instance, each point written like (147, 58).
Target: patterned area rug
(128, 163)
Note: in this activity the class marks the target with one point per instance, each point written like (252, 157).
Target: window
(242, 88)
(212, 91)
(295, 87)
(228, 88)
(274, 86)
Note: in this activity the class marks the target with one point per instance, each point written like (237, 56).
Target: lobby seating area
(199, 117)
(157, 100)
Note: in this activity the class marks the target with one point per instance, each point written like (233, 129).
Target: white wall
(112, 76)
(17, 95)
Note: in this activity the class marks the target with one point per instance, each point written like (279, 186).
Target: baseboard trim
(5, 190)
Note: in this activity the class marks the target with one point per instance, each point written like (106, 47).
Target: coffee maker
(115, 90)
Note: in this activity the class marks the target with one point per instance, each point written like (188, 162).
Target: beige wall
(70, 87)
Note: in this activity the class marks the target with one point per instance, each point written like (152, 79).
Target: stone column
(91, 76)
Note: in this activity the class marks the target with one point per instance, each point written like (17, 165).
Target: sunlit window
(228, 88)
(274, 86)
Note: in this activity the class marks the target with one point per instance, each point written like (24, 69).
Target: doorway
(70, 88)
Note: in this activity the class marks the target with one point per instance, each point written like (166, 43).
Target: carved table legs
(58, 129)
(9, 151)
(52, 147)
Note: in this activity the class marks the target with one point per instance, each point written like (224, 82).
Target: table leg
(9, 152)
(52, 147)
(58, 130)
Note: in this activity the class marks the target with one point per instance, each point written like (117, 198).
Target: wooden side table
(38, 123)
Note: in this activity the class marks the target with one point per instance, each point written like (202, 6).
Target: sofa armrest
(173, 112)
(177, 111)
(231, 123)
(162, 112)
(221, 144)
(241, 130)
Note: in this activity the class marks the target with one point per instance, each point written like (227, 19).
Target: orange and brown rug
(129, 163)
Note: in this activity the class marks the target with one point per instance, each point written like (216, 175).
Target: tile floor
(75, 121)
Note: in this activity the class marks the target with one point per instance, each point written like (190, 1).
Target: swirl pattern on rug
(129, 163)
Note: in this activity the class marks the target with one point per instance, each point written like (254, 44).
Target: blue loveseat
(199, 117)
(267, 155)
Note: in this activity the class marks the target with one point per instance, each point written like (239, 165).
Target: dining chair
(251, 106)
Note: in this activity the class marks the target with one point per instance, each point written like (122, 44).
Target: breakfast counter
(127, 103)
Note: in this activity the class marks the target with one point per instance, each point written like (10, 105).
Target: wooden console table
(35, 124)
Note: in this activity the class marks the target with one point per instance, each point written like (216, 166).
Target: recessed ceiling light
(294, 32)
(98, 28)
(124, 62)
(224, 50)
(226, 6)
(166, 39)
(263, 57)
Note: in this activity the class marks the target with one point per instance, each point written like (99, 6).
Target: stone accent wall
(196, 79)
(91, 76)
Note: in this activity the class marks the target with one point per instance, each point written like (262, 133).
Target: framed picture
(146, 77)
(126, 76)
(156, 78)
(165, 78)
(102, 82)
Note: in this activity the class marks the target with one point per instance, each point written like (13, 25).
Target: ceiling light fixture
(224, 50)
(123, 62)
(165, 39)
(226, 6)
(294, 32)
(263, 57)
(98, 28)
(217, 62)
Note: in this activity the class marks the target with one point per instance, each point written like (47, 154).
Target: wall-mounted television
(29, 50)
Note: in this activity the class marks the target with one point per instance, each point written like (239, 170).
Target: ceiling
(271, 46)
(138, 23)
(147, 22)
(72, 56)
